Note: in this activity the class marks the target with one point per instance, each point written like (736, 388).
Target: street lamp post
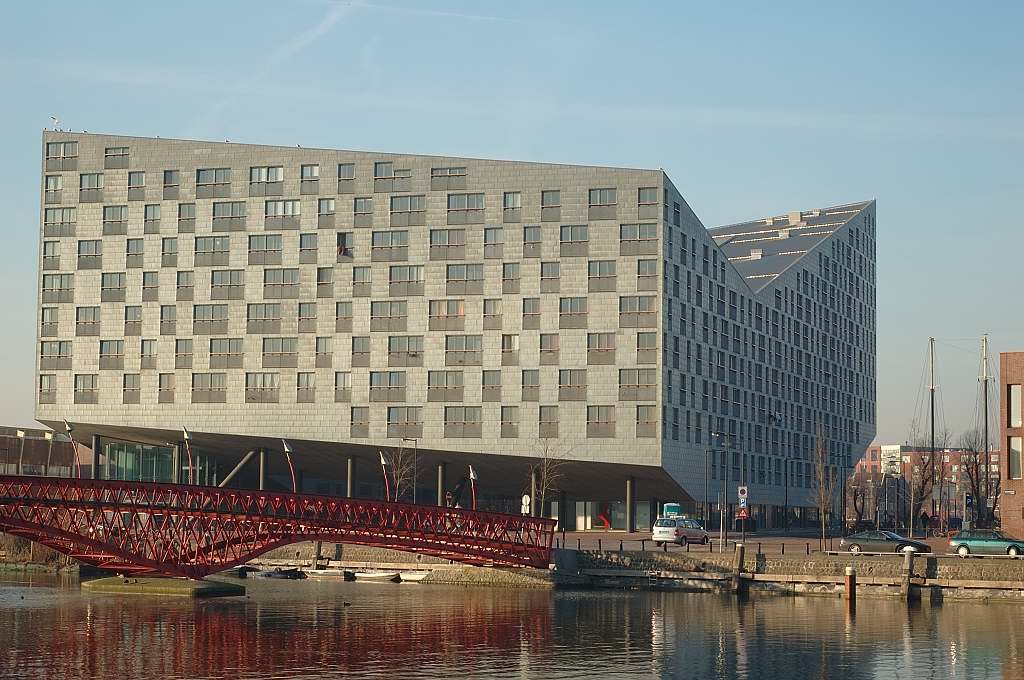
(49, 451)
(21, 453)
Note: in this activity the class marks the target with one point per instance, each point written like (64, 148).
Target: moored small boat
(413, 576)
(379, 576)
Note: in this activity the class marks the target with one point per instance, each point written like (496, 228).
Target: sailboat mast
(984, 389)
(931, 409)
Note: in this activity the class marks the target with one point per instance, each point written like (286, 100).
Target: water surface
(50, 629)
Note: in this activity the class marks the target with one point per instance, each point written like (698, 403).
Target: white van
(668, 529)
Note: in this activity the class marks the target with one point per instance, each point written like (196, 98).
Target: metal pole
(231, 475)
(630, 514)
(49, 452)
(415, 466)
(95, 456)
(263, 470)
(706, 490)
(440, 485)
(21, 454)
(350, 474)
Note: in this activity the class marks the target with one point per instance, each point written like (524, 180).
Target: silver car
(678, 530)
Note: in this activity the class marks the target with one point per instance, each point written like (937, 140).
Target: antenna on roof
(56, 122)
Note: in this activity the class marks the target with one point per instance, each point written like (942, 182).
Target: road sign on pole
(742, 513)
(969, 501)
(742, 493)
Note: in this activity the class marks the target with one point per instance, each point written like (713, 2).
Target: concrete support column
(566, 519)
(630, 505)
(534, 511)
(441, 484)
(263, 470)
(655, 508)
(95, 456)
(350, 477)
(176, 465)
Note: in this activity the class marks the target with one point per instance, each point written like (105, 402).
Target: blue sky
(752, 109)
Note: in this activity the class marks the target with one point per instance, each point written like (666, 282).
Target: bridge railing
(203, 529)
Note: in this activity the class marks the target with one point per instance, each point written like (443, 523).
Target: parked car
(678, 530)
(985, 542)
(882, 541)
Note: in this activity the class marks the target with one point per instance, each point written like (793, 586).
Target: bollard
(908, 573)
(737, 578)
(620, 546)
(557, 545)
(579, 544)
(758, 547)
(599, 548)
(850, 594)
(687, 546)
(808, 548)
(783, 548)
(664, 547)
(643, 545)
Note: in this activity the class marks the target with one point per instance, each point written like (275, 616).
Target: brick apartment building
(1011, 419)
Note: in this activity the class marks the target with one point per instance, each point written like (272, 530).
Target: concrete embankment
(936, 577)
(39, 567)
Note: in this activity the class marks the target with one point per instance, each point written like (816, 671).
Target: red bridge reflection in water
(392, 627)
(194, 531)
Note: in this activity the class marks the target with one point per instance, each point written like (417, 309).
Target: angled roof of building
(762, 249)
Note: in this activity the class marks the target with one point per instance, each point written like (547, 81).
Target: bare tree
(547, 469)
(980, 483)
(824, 482)
(857, 493)
(923, 477)
(402, 462)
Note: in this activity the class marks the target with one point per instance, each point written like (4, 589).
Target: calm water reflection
(50, 629)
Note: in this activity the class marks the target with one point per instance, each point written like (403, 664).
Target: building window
(513, 200)
(263, 175)
(325, 206)
(550, 271)
(600, 421)
(465, 202)
(532, 236)
(363, 206)
(510, 421)
(408, 204)
(602, 197)
(228, 210)
(87, 388)
(151, 213)
(346, 170)
(574, 234)
(462, 421)
(115, 152)
(550, 199)
(213, 176)
(59, 151)
(90, 181)
(289, 208)
(172, 179)
(548, 422)
(1016, 458)
(309, 172)
(601, 269)
(647, 196)
(1015, 408)
(638, 232)
(136, 180)
(261, 388)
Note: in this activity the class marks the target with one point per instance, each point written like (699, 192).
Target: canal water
(50, 629)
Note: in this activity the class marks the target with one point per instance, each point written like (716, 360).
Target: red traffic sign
(742, 513)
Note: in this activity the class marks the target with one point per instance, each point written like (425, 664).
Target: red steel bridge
(194, 531)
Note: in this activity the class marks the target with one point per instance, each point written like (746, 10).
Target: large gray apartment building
(477, 312)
